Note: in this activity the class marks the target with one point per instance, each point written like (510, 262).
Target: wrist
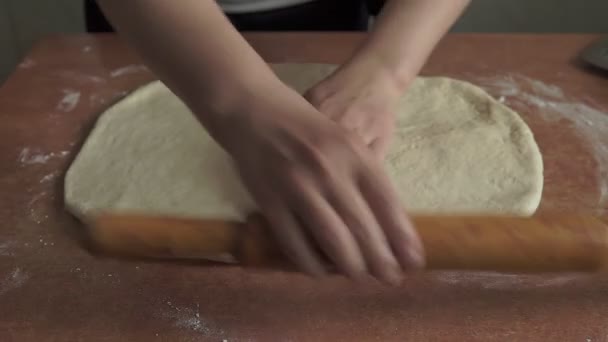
(381, 70)
(251, 109)
(232, 106)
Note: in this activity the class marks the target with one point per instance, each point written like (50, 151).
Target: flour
(97, 99)
(79, 272)
(34, 212)
(80, 77)
(190, 318)
(591, 124)
(69, 101)
(6, 248)
(87, 49)
(13, 280)
(49, 177)
(547, 90)
(130, 69)
(505, 281)
(32, 156)
(46, 243)
(27, 63)
(28, 156)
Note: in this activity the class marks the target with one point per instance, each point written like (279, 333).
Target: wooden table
(52, 289)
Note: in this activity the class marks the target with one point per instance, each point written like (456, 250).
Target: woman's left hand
(361, 98)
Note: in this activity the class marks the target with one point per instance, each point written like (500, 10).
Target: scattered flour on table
(87, 49)
(44, 242)
(13, 280)
(6, 248)
(97, 99)
(79, 77)
(591, 124)
(79, 272)
(505, 281)
(69, 101)
(36, 209)
(49, 177)
(29, 156)
(190, 318)
(27, 63)
(129, 69)
(37, 216)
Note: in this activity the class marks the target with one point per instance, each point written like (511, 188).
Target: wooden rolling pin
(543, 243)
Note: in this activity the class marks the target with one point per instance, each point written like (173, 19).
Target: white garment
(245, 6)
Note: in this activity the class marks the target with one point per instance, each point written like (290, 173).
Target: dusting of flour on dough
(431, 153)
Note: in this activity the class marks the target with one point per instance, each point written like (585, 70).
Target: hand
(362, 99)
(318, 184)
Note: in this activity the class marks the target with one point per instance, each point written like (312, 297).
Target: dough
(456, 150)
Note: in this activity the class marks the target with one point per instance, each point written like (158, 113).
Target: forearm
(405, 33)
(195, 50)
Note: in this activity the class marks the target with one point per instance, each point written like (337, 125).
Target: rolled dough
(456, 150)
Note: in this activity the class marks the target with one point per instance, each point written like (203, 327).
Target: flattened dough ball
(456, 150)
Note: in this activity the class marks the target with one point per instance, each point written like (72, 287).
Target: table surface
(51, 288)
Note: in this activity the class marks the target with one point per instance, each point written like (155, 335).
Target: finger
(330, 232)
(292, 239)
(365, 134)
(370, 237)
(380, 147)
(386, 206)
(288, 232)
(357, 125)
(311, 97)
(353, 122)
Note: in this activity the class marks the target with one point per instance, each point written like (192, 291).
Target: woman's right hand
(318, 184)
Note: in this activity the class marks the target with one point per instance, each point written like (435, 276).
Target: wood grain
(52, 289)
(548, 242)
